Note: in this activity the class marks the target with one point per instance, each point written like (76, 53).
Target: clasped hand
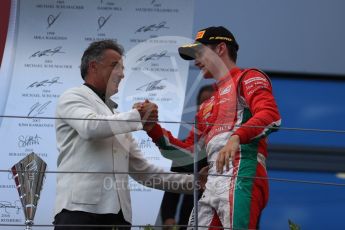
(148, 113)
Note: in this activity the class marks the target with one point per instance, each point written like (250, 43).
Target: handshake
(148, 113)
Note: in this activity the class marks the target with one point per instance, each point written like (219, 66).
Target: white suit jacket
(88, 142)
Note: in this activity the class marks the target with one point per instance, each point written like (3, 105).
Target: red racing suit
(243, 105)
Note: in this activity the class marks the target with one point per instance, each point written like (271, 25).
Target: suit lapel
(97, 101)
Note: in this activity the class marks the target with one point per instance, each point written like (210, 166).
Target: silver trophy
(28, 175)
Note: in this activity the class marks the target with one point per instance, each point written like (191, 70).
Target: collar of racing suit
(233, 72)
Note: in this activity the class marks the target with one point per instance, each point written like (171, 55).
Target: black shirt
(100, 95)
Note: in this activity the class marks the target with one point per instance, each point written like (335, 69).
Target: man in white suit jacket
(93, 137)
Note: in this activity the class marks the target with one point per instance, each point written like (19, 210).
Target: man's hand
(171, 222)
(227, 153)
(148, 113)
(203, 173)
(136, 105)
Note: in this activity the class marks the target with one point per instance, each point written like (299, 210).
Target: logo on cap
(200, 34)
(221, 38)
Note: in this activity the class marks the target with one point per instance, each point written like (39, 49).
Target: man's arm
(181, 152)
(154, 176)
(168, 208)
(78, 111)
(256, 90)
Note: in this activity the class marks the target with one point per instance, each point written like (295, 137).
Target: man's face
(206, 60)
(110, 72)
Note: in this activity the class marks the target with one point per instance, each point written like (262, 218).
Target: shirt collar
(233, 72)
(99, 94)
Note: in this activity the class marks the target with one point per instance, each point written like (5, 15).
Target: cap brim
(187, 52)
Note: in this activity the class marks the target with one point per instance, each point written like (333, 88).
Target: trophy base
(28, 224)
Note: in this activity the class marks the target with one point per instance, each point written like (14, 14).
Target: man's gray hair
(95, 52)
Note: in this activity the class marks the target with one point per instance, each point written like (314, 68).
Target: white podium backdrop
(45, 42)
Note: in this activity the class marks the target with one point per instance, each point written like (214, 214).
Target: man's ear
(93, 66)
(221, 48)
